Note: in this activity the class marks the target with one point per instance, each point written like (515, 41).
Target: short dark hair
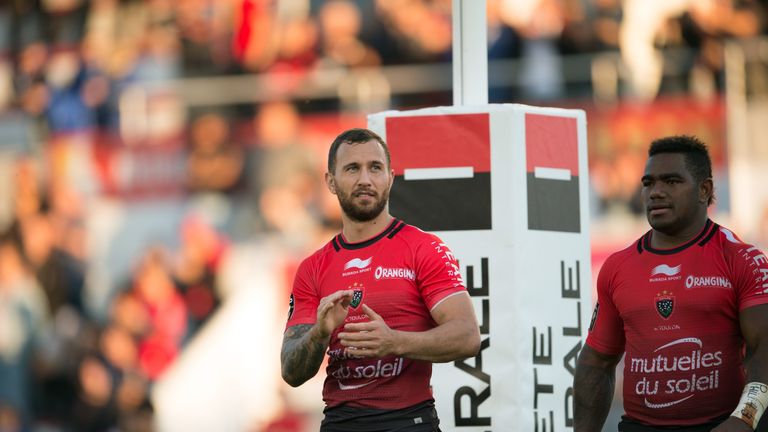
(696, 154)
(355, 136)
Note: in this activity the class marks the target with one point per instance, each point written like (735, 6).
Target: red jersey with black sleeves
(675, 313)
(402, 274)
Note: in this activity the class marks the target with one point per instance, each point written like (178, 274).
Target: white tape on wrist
(753, 403)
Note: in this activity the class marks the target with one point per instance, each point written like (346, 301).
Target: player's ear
(330, 182)
(706, 190)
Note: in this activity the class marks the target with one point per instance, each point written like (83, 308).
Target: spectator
(278, 154)
(9, 419)
(540, 23)
(417, 31)
(23, 327)
(340, 28)
(203, 250)
(706, 25)
(60, 274)
(214, 162)
(65, 80)
(166, 312)
(94, 408)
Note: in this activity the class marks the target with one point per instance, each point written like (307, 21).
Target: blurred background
(161, 171)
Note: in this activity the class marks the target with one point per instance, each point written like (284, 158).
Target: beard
(361, 213)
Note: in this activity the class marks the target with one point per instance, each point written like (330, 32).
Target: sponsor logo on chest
(350, 377)
(356, 266)
(675, 372)
(665, 272)
(692, 281)
(394, 273)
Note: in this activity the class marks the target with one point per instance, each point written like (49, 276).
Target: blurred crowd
(81, 353)
(92, 126)
(71, 61)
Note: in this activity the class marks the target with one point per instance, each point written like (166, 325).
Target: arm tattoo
(592, 400)
(301, 355)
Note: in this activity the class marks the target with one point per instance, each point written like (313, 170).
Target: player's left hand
(732, 424)
(372, 338)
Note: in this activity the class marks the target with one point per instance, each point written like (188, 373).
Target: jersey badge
(357, 295)
(594, 316)
(665, 303)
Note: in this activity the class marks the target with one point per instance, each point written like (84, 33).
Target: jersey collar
(644, 243)
(393, 228)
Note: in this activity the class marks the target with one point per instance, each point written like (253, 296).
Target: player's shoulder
(411, 231)
(732, 245)
(319, 255)
(727, 239)
(327, 248)
(618, 266)
(622, 256)
(416, 236)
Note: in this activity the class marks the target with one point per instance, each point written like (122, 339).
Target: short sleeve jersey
(402, 274)
(675, 313)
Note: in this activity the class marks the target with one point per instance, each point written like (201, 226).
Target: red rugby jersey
(402, 273)
(676, 315)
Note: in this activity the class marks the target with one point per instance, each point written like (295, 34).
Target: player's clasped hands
(372, 338)
(332, 311)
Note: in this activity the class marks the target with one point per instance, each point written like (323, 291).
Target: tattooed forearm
(302, 354)
(593, 393)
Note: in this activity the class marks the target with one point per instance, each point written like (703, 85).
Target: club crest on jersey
(357, 295)
(665, 303)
